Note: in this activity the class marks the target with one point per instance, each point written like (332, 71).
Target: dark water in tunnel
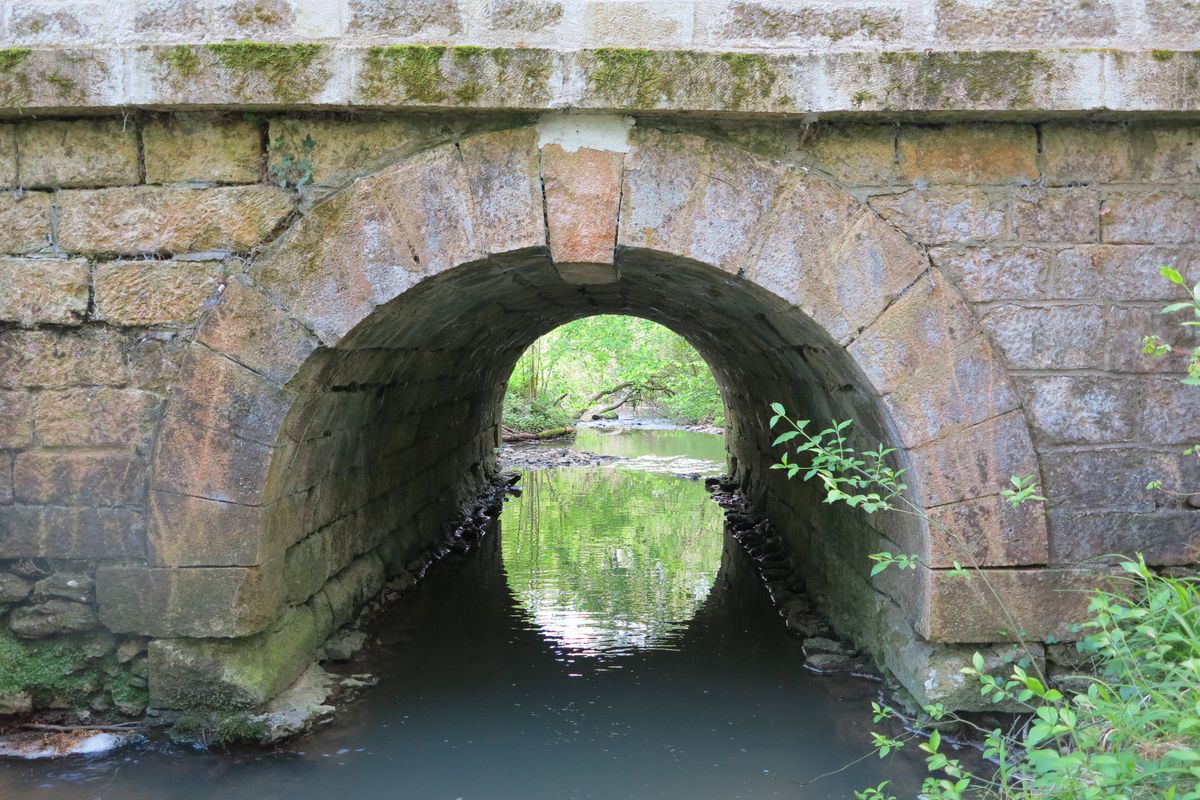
(610, 642)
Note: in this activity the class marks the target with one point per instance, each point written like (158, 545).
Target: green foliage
(52, 667)
(294, 164)
(1155, 346)
(596, 363)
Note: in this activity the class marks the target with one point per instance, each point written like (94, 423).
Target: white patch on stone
(299, 706)
(593, 131)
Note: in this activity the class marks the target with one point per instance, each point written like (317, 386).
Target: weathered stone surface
(1162, 536)
(996, 273)
(1173, 153)
(637, 23)
(61, 154)
(247, 18)
(1168, 412)
(526, 16)
(941, 666)
(944, 216)
(8, 156)
(1092, 271)
(1150, 217)
(246, 672)
(40, 291)
(753, 21)
(190, 601)
(976, 462)
(583, 196)
(352, 587)
(503, 174)
(1051, 337)
(1057, 215)
(219, 394)
(136, 293)
(170, 19)
(154, 220)
(247, 328)
(94, 417)
(1126, 326)
(52, 617)
(76, 587)
(959, 610)
(986, 531)
(856, 154)
(1069, 409)
(1014, 21)
(16, 420)
(13, 588)
(66, 477)
(1085, 153)
(70, 532)
(193, 460)
(968, 154)
(661, 172)
(1070, 478)
(193, 531)
(343, 149)
(202, 147)
(24, 221)
(405, 17)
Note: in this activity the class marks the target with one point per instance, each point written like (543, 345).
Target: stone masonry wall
(117, 234)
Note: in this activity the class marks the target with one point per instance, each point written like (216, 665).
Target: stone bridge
(260, 301)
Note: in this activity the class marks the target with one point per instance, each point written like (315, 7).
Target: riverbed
(608, 641)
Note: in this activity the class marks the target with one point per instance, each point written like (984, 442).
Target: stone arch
(378, 302)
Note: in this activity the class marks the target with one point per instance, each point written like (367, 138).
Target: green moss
(238, 729)
(182, 60)
(66, 87)
(10, 57)
(751, 78)
(632, 77)
(1162, 55)
(468, 92)
(465, 54)
(416, 68)
(282, 66)
(1002, 78)
(124, 693)
(44, 667)
(862, 96)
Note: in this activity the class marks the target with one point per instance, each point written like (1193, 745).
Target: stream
(609, 642)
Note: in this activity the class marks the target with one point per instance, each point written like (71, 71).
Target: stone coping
(324, 75)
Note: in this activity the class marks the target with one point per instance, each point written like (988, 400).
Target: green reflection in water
(607, 561)
(634, 442)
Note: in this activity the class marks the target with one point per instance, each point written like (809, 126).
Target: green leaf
(786, 436)
(1172, 275)
(778, 409)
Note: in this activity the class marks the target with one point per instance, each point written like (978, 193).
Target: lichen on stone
(181, 60)
(751, 78)
(11, 57)
(632, 77)
(66, 87)
(287, 69)
(1162, 55)
(1000, 78)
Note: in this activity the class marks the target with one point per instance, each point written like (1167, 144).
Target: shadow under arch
(341, 401)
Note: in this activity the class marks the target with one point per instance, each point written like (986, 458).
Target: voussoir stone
(583, 195)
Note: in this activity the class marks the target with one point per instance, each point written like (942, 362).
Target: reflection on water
(605, 561)
(484, 695)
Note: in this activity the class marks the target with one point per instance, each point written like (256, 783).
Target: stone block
(523, 16)
(16, 420)
(638, 23)
(1163, 536)
(963, 387)
(1126, 326)
(232, 673)
(343, 149)
(1086, 153)
(436, 18)
(937, 672)
(968, 154)
(202, 147)
(944, 215)
(1081, 409)
(76, 587)
(43, 291)
(162, 20)
(1173, 18)
(661, 173)
(144, 293)
(24, 222)
(1093, 271)
(88, 152)
(248, 328)
(201, 462)
(244, 19)
(1168, 412)
(751, 21)
(52, 618)
(1156, 217)
(863, 155)
(927, 320)
(960, 610)
(503, 174)
(223, 602)
(70, 532)
(157, 220)
(68, 477)
(975, 462)
(1071, 478)
(988, 532)
(1170, 152)
(1057, 215)
(49, 22)
(193, 531)
(996, 273)
(1021, 22)
(583, 196)
(216, 393)
(95, 417)
(13, 588)
(351, 588)
(1049, 337)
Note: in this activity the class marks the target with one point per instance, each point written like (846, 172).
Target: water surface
(608, 642)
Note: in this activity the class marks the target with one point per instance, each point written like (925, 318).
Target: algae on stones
(291, 71)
